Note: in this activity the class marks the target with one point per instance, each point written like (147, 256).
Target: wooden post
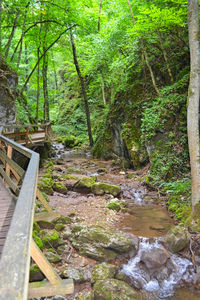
(55, 286)
(27, 133)
(43, 201)
(9, 154)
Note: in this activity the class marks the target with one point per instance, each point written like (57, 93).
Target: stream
(144, 218)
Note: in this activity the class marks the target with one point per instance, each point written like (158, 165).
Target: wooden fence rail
(19, 246)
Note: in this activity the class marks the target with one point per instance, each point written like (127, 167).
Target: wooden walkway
(7, 206)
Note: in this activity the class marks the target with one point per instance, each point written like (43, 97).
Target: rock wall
(8, 83)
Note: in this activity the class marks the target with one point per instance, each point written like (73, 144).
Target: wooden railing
(19, 246)
(29, 133)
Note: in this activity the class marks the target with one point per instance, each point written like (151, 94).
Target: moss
(85, 183)
(68, 177)
(50, 238)
(38, 240)
(59, 187)
(72, 170)
(46, 185)
(114, 206)
(36, 227)
(62, 220)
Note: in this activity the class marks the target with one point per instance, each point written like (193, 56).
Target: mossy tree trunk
(82, 82)
(193, 100)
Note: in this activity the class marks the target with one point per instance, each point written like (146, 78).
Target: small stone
(52, 257)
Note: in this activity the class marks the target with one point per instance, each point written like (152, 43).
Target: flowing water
(149, 222)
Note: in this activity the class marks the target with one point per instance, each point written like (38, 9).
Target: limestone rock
(100, 243)
(73, 273)
(177, 239)
(103, 271)
(154, 258)
(114, 289)
(100, 188)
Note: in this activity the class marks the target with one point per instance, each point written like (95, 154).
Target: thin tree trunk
(7, 47)
(165, 58)
(99, 19)
(145, 54)
(82, 90)
(0, 26)
(22, 35)
(38, 86)
(49, 47)
(193, 100)
(103, 91)
(55, 75)
(45, 87)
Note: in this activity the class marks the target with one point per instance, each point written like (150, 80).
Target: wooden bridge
(18, 192)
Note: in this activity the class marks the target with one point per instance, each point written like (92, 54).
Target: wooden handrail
(15, 258)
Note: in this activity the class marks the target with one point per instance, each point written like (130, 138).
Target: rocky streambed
(114, 239)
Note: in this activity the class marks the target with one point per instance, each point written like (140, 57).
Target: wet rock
(85, 183)
(67, 233)
(35, 274)
(114, 289)
(103, 271)
(177, 239)
(52, 257)
(154, 258)
(100, 243)
(100, 188)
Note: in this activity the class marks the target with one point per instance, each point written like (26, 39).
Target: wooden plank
(13, 164)
(15, 276)
(45, 289)
(11, 184)
(44, 264)
(43, 201)
(48, 216)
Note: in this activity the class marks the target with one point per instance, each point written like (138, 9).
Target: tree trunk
(7, 47)
(45, 87)
(38, 86)
(193, 100)
(0, 25)
(82, 90)
(165, 58)
(99, 19)
(144, 52)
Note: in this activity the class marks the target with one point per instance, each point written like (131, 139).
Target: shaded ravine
(143, 218)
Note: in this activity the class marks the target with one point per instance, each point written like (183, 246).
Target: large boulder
(100, 188)
(154, 258)
(100, 243)
(103, 271)
(114, 289)
(177, 239)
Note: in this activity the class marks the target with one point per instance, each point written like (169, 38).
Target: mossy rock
(59, 226)
(114, 206)
(100, 188)
(50, 238)
(87, 296)
(100, 243)
(113, 289)
(61, 250)
(36, 227)
(85, 183)
(60, 187)
(35, 274)
(62, 220)
(177, 239)
(46, 185)
(44, 224)
(68, 177)
(73, 273)
(52, 257)
(103, 271)
(73, 170)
